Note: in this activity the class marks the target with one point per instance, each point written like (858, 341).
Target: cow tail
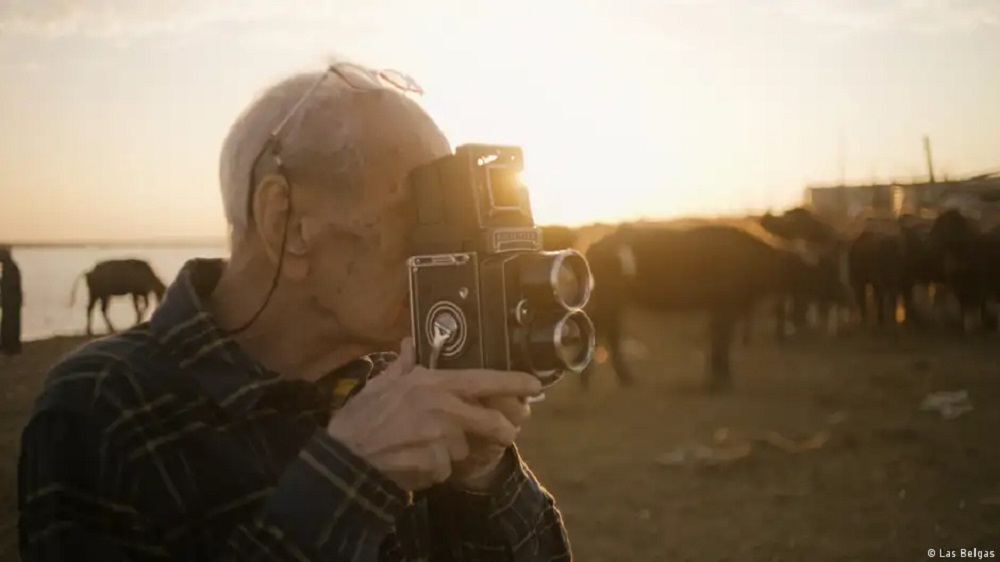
(72, 292)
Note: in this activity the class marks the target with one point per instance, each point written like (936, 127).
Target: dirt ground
(872, 476)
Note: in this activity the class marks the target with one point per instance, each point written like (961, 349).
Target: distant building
(976, 195)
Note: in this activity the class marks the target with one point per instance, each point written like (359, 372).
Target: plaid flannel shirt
(167, 442)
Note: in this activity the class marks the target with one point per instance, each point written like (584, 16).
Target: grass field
(822, 451)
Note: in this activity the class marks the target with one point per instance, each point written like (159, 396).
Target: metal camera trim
(587, 281)
(591, 339)
(415, 263)
(523, 313)
(449, 349)
(437, 260)
(549, 378)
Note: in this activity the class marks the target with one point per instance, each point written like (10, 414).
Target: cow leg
(608, 324)
(721, 325)
(812, 315)
(615, 340)
(780, 319)
(880, 305)
(912, 315)
(861, 301)
(831, 319)
(824, 315)
(988, 314)
(970, 320)
(747, 326)
(104, 311)
(800, 313)
(90, 315)
(138, 310)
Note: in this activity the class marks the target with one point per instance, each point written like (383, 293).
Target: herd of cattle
(799, 263)
(793, 260)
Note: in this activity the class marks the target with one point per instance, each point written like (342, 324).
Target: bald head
(333, 221)
(329, 142)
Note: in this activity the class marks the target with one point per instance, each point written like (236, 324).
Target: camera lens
(574, 340)
(567, 284)
(572, 344)
(560, 343)
(562, 277)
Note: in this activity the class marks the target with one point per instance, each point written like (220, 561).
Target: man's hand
(411, 423)
(478, 471)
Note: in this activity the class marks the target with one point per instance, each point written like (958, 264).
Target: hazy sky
(112, 115)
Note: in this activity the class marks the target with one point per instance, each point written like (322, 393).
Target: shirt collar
(230, 377)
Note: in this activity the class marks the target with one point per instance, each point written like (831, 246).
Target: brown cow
(119, 278)
(717, 269)
(558, 237)
(971, 265)
(801, 225)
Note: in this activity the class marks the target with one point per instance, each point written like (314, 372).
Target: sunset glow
(111, 119)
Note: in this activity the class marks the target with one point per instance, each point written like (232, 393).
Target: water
(48, 275)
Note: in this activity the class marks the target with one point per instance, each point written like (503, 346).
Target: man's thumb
(407, 356)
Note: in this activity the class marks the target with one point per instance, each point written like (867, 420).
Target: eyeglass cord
(277, 272)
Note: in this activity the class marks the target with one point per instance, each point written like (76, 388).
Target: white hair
(321, 139)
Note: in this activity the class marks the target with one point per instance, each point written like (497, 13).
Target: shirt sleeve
(74, 506)
(516, 522)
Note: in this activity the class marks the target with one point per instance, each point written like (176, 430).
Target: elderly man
(207, 433)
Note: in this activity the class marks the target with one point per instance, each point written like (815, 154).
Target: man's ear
(270, 207)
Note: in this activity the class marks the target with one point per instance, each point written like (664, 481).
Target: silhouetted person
(10, 305)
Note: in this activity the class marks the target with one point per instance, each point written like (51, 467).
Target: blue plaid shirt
(168, 442)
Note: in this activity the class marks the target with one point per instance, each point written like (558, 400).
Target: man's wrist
(504, 513)
(489, 478)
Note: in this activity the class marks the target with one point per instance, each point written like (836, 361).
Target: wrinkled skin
(414, 424)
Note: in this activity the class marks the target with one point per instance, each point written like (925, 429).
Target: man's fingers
(458, 446)
(481, 383)
(477, 420)
(419, 467)
(514, 408)
(440, 463)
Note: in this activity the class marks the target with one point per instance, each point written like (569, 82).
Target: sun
(591, 127)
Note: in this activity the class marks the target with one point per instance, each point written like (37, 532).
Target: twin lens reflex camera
(483, 294)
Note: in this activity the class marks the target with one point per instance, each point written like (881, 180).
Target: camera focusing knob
(446, 330)
(445, 326)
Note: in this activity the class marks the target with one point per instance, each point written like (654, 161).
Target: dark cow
(892, 258)
(823, 288)
(923, 266)
(119, 278)
(719, 269)
(802, 226)
(558, 238)
(877, 261)
(971, 264)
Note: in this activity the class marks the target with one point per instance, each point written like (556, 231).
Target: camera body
(480, 283)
